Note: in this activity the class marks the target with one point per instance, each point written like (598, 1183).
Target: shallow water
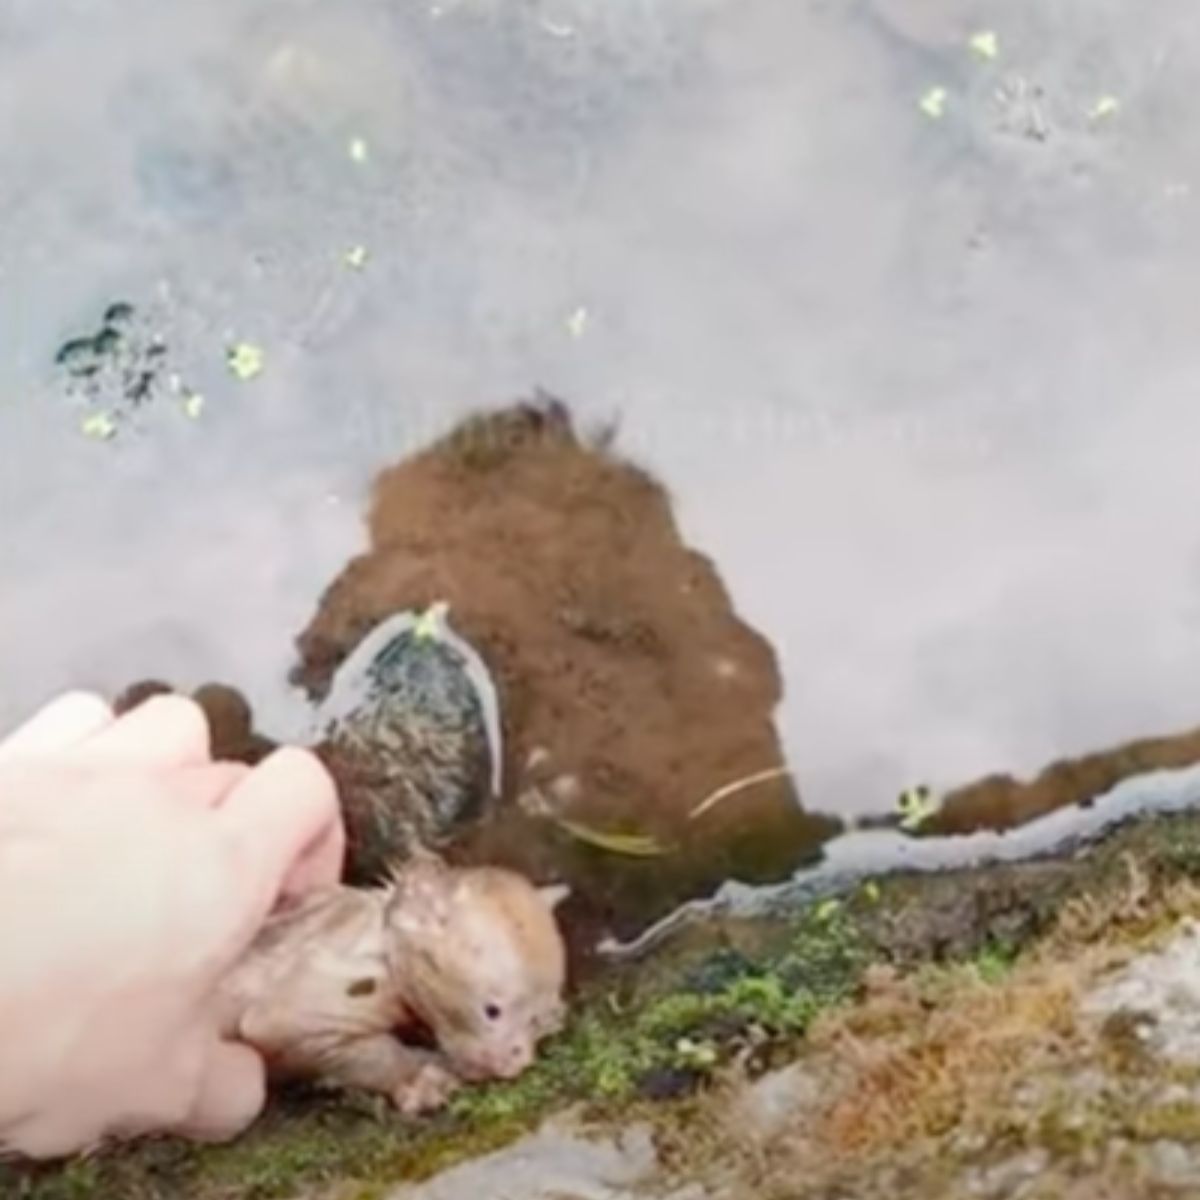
(852, 857)
(923, 388)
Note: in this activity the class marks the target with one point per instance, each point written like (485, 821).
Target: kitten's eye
(492, 1012)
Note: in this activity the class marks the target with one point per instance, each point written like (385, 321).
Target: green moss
(994, 961)
(368, 1191)
(297, 1145)
(1177, 1122)
(1071, 1130)
(78, 1181)
(712, 1005)
(1181, 854)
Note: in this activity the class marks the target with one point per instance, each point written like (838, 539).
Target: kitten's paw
(428, 1090)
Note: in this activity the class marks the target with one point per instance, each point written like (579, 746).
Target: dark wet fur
(417, 753)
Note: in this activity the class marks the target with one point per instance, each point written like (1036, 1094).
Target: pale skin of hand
(134, 871)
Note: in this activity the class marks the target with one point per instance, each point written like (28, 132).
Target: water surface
(925, 389)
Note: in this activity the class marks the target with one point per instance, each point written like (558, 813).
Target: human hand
(134, 871)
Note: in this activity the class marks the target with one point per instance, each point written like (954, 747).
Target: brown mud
(1000, 801)
(629, 688)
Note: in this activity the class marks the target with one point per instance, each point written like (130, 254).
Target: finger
(206, 786)
(232, 1093)
(60, 725)
(164, 731)
(285, 822)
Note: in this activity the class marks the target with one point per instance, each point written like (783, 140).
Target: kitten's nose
(516, 1059)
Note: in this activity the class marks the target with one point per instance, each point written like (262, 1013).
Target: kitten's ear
(554, 894)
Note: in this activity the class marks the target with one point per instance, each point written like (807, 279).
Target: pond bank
(874, 996)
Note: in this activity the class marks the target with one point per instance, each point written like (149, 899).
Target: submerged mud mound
(1000, 801)
(630, 690)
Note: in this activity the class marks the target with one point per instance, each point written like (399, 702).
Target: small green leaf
(695, 1054)
(1106, 106)
(985, 44)
(827, 909)
(916, 805)
(100, 426)
(245, 360)
(428, 625)
(933, 103)
(577, 322)
(630, 845)
(193, 405)
(355, 258)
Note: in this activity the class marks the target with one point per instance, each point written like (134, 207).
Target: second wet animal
(411, 729)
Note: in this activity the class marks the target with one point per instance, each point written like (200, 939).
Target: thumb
(231, 1094)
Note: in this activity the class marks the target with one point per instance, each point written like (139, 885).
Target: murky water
(924, 388)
